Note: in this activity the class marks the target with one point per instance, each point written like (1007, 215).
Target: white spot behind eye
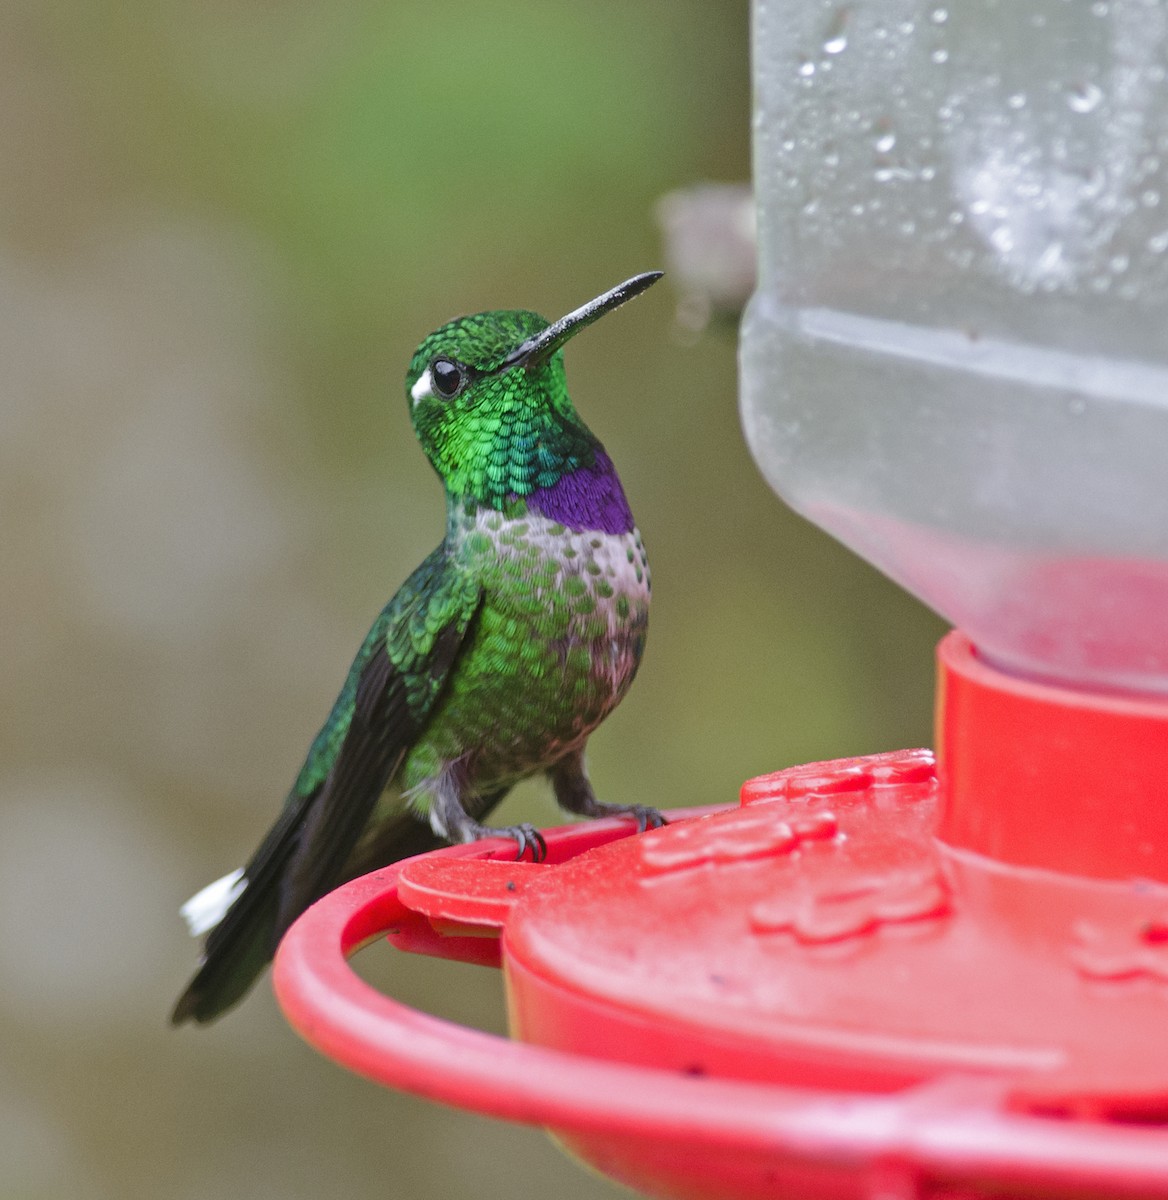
(424, 387)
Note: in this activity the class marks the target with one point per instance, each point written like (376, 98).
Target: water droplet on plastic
(1150, 198)
(1159, 242)
(1093, 183)
(1017, 100)
(1099, 8)
(1119, 263)
(1002, 239)
(1051, 258)
(1084, 97)
(940, 56)
(806, 68)
(939, 16)
(835, 41)
(885, 138)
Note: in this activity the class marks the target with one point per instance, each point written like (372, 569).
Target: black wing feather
(380, 733)
(307, 848)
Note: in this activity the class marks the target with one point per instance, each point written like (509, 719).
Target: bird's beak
(540, 347)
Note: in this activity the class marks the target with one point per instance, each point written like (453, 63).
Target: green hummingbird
(495, 660)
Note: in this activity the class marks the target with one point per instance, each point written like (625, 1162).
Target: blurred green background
(223, 228)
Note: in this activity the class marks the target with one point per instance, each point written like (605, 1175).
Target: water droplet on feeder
(835, 40)
(1084, 97)
(885, 140)
(1002, 239)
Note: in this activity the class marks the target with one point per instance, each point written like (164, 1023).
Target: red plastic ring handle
(956, 1129)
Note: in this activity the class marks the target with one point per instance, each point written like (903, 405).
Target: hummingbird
(495, 660)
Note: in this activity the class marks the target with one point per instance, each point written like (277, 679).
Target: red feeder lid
(810, 994)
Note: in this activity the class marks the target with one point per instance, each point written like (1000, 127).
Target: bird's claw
(526, 837)
(646, 817)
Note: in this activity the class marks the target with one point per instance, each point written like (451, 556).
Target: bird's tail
(242, 911)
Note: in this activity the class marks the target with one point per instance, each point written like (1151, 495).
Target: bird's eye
(448, 377)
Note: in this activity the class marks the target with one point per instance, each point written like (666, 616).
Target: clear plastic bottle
(956, 360)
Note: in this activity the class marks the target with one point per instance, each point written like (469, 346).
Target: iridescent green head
(490, 405)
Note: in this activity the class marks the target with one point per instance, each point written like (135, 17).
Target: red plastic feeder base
(865, 981)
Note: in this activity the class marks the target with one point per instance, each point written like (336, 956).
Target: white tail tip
(205, 909)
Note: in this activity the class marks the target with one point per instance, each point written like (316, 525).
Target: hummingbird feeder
(905, 975)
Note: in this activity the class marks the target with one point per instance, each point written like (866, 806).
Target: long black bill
(538, 348)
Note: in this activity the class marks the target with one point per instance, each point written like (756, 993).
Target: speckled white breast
(611, 569)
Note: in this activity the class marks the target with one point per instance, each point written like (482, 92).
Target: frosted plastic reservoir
(957, 358)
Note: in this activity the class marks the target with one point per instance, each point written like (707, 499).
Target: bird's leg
(450, 820)
(574, 792)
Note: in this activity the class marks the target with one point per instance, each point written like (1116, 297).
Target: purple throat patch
(589, 498)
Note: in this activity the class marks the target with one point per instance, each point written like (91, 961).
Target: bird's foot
(646, 817)
(451, 821)
(526, 836)
(574, 794)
